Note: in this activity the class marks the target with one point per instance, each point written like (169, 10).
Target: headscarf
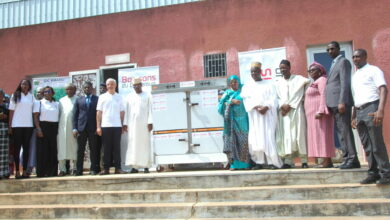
(229, 94)
(225, 107)
(319, 66)
(238, 81)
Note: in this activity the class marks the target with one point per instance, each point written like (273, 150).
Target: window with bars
(214, 65)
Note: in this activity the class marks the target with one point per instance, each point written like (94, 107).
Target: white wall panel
(15, 13)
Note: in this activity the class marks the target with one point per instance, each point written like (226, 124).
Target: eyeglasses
(312, 70)
(47, 92)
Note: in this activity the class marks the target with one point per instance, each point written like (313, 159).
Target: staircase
(265, 194)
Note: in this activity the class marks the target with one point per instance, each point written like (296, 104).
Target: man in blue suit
(84, 128)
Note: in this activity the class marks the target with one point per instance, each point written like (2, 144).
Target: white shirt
(111, 107)
(49, 111)
(365, 84)
(23, 110)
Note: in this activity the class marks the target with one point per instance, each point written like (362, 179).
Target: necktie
(88, 100)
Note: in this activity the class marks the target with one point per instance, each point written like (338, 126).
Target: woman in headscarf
(4, 156)
(319, 118)
(236, 125)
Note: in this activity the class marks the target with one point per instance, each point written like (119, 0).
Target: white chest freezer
(187, 126)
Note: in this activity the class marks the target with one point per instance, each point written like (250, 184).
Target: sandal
(17, 175)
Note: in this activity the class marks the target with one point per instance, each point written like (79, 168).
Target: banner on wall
(57, 83)
(269, 58)
(149, 76)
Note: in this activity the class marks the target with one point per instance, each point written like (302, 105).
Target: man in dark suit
(84, 128)
(340, 102)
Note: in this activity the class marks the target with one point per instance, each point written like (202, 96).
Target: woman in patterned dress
(4, 140)
(236, 126)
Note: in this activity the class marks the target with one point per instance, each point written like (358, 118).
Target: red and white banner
(149, 76)
(269, 58)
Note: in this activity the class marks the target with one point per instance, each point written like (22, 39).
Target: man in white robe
(66, 142)
(291, 130)
(261, 104)
(139, 124)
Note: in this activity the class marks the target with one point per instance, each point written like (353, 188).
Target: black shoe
(370, 179)
(342, 164)
(257, 167)
(78, 173)
(304, 165)
(286, 166)
(18, 176)
(134, 170)
(146, 170)
(62, 173)
(93, 172)
(351, 165)
(383, 181)
(272, 167)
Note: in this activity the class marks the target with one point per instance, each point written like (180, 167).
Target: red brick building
(176, 38)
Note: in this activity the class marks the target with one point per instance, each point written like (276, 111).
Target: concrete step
(278, 218)
(184, 180)
(247, 209)
(307, 218)
(256, 193)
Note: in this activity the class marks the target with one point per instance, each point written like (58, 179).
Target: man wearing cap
(291, 132)
(370, 93)
(109, 119)
(139, 123)
(260, 101)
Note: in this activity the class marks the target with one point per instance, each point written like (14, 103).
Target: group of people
(271, 124)
(53, 134)
(266, 124)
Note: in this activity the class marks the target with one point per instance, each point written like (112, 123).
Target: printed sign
(57, 83)
(209, 98)
(149, 76)
(160, 102)
(269, 58)
(187, 84)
